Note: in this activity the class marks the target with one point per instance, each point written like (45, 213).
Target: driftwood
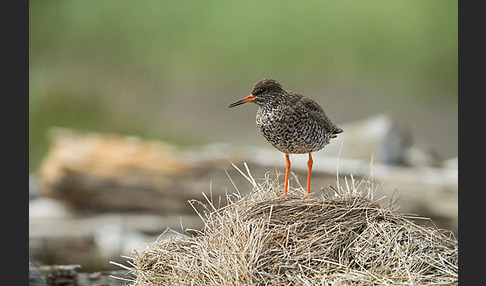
(138, 188)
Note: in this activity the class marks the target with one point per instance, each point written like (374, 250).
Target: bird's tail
(336, 131)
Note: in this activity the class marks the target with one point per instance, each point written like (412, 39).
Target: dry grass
(343, 237)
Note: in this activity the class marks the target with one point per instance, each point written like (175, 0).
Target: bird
(290, 122)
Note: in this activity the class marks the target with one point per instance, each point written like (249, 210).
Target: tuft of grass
(342, 237)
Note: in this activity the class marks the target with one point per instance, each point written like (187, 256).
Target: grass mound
(343, 237)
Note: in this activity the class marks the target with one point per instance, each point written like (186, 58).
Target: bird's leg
(309, 171)
(287, 169)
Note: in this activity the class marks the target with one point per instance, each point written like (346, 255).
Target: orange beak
(249, 98)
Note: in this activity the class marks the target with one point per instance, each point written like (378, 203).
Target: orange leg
(309, 171)
(287, 167)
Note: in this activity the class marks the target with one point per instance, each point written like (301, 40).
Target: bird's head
(263, 92)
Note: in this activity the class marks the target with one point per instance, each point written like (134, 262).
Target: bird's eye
(264, 90)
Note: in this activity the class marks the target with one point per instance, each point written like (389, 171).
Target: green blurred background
(168, 69)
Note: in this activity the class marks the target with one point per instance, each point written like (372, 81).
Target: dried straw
(343, 237)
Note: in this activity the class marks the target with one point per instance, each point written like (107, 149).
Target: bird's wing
(316, 112)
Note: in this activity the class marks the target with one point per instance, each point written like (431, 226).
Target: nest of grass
(343, 237)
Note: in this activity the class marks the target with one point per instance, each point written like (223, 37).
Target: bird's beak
(249, 98)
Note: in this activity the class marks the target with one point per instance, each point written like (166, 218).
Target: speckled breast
(291, 132)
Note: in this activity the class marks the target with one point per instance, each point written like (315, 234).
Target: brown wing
(316, 112)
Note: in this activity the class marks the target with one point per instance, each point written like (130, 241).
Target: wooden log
(109, 172)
